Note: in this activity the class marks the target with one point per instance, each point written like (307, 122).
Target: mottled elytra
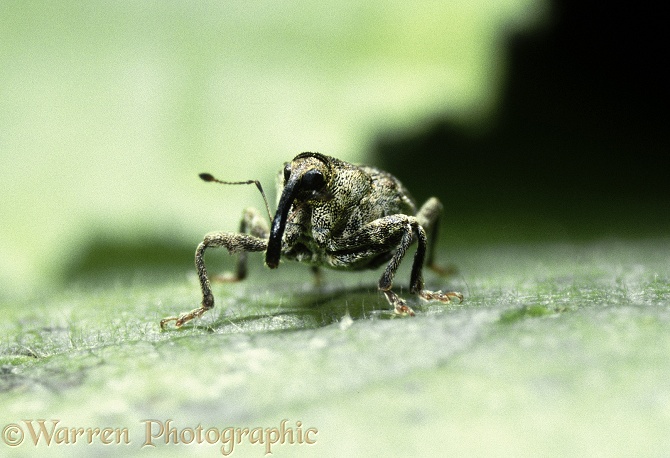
(334, 214)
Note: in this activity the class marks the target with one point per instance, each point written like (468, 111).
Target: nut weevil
(333, 214)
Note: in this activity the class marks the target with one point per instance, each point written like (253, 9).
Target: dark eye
(287, 172)
(312, 180)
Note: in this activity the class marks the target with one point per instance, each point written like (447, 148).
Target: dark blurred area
(577, 146)
(144, 260)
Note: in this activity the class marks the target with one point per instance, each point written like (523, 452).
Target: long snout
(273, 252)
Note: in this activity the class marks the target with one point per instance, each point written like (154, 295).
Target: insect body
(337, 215)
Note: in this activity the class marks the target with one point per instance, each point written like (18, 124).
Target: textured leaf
(557, 349)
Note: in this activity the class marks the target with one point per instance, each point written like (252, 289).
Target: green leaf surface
(557, 349)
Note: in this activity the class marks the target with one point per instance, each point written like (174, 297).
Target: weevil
(333, 214)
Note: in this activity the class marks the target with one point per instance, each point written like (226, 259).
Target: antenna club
(207, 177)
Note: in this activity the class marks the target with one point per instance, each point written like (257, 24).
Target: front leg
(390, 234)
(234, 243)
(416, 280)
(253, 222)
(409, 228)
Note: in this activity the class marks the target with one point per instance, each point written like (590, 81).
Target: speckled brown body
(318, 231)
(333, 214)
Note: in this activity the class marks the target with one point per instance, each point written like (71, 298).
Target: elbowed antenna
(209, 178)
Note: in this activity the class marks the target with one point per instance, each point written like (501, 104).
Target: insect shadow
(307, 310)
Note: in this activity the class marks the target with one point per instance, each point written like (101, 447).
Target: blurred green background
(109, 110)
(531, 120)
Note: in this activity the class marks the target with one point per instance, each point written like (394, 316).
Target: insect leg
(391, 234)
(429, 218)
(416, 278)
(234, 243)
(253, 222)
(386, 281)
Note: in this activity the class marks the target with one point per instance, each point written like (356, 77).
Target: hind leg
(429, 218)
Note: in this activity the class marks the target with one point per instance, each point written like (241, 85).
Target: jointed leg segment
(234, 243)
(254, 223)
(395, 232)
(429, 218)
(416, 277)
